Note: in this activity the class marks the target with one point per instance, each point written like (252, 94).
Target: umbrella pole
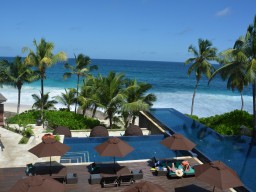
(50, 165)
(213, 188)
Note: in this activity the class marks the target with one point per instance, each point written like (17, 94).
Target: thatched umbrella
(218, 174)
(99, 131)
(49, 147)
(133, 130)
(144, 186)
(62, 131)
(114, 147)
(37, 183)
(178, 142)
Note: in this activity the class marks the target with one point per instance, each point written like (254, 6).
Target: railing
(76, 157)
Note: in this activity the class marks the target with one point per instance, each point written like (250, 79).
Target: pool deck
(14, 158)
(9, 176)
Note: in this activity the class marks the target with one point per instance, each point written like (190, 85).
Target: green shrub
(56, 118)
(227, 123)
(23, 140)
(57, 137)
(28, 132)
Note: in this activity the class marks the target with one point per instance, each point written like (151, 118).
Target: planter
(46, 136)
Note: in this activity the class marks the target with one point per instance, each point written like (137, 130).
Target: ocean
(170, 83)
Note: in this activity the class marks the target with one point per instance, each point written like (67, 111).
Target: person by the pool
(185, 166)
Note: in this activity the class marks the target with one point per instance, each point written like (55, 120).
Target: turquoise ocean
(169, 80)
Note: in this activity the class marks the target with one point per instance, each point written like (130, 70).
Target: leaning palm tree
(41, 59)
(81, 68)
(68, 98)
(137, 99)
(17, 73)
(200, 63)
(233, 69)
(48, 104)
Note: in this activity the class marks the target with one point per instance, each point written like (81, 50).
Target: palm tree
(48, 104)
(137, 99)
(200, 63)
(233, 69)
(81, 68)
(249, 47)
(68, 98)
(17, 73)
(111, 95)
(88, 96)
(41, 59)
(3, 76)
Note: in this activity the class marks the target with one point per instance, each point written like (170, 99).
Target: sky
(154, 30)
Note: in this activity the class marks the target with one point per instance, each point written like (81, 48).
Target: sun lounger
(109, 181)
(126, 179)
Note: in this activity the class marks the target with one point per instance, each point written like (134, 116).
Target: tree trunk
(94, 111)
(242, 100)
(42, 96)
(78, 77)
(254, 110)
(133, 119)
(193, 98)
(19, 94)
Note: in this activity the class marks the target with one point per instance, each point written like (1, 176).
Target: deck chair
(126, 179)
(30, 169)
(109, 181)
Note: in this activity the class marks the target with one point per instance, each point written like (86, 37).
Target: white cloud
(223, 12)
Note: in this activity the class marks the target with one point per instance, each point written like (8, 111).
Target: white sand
(12, 107)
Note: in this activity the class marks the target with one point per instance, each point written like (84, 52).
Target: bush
(28, 132)
(227, 123)
(23, 140)
(56, 118)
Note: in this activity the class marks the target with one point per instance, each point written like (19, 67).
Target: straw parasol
(99, 131)
(218, 174)
(114, 147)
(178, 142)
(37, 183)
(144, 186)
(62, 131)
(49, 147)
(133, 130)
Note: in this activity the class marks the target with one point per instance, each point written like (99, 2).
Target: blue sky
(160, 30)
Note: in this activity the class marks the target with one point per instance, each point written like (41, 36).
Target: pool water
(145, 147)
(235, 151)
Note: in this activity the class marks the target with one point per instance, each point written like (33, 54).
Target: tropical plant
(68, 98)
(111, 95)
(137, 100)
(233, 69)
(41, 59)
(81, 68)
(44, 101)
(200, 63)
(89, 94)
(16, 74)
(3, 76)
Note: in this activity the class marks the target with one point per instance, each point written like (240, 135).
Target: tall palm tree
(68, 98)
(137, 99)
(200, 63)
(81, 68)
(41, 59)
(111, 94)
(39, 102)
(233, 69)
(249, 47)
(17, 73)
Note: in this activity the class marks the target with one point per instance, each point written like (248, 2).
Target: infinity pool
(235, 151)
(145, 147)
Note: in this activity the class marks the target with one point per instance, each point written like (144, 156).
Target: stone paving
(17, 155)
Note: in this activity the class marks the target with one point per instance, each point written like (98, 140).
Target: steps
(75, 157)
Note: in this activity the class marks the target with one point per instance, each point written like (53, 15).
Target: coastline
(12, 107)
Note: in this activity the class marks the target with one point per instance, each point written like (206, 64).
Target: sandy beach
(12, 107)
